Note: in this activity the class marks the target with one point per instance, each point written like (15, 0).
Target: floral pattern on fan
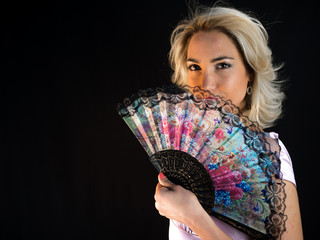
(242, 160)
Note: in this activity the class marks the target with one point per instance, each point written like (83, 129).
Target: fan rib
(164, 125)
(133, 127)
(154, 130)
(150, 149)
(195, 143)
(187, 128)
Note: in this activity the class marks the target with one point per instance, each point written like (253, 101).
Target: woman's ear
(251, 77)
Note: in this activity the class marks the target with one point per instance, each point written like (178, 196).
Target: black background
(70, 167)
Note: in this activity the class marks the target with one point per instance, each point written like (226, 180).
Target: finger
(164, 181)
(160, 191)
(156, 198)
(158, 207)
(158, 188)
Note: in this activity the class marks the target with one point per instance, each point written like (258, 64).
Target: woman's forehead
(211, 45)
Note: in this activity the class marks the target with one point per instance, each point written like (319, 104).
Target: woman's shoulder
(286, 162)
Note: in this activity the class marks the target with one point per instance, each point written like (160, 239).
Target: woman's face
(214, 63)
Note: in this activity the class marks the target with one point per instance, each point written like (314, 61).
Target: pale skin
(214, 63)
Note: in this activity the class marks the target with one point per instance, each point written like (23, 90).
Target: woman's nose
(208, 81)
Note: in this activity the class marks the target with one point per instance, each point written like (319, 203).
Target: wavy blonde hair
(264, 105)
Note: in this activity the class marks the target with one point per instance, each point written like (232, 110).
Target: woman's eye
(223, 65)
(194, 67)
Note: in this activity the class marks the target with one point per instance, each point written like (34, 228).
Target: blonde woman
(225, 51)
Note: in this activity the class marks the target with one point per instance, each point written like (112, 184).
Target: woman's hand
(175, 202)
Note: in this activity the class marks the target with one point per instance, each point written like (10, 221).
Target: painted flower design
(219, 134)
(187, 126)
(229, 185)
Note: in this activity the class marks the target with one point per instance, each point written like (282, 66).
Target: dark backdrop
(70, 167)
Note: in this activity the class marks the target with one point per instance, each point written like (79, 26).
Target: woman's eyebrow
(193, 60)
(212, 60)
(220, 58)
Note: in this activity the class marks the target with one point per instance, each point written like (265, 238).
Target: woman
(225, 51)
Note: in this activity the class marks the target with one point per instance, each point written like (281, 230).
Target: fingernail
(161, 175)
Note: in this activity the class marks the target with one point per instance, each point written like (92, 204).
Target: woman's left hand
(176, 202)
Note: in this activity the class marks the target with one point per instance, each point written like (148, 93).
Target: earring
(249, 90)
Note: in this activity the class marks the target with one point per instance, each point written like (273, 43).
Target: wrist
(201, 223)
(195, 217)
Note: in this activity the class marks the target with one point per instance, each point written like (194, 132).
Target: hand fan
(204, 143)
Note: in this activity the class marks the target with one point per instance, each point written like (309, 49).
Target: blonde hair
(264, 105)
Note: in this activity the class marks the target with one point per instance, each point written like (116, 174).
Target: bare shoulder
(293, 223)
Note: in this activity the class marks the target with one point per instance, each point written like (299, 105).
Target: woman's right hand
(180, 204)
(176, 202)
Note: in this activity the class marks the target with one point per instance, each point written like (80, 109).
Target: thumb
(164, 181)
